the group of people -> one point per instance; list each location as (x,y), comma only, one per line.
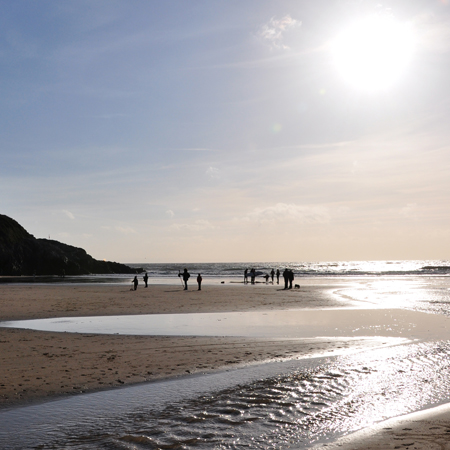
(186,275)
(288,276)
(136,282)
(266,276)
(252,276)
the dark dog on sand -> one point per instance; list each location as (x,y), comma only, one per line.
(297,286)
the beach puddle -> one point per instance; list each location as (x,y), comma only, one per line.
(295,404)
(273,324)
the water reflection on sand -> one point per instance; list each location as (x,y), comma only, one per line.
(295,404)
(273,324)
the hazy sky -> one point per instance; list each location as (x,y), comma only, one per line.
(196,131)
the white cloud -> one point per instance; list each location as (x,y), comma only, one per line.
(170,213)
(198,225)
(273,32)
(282,212)
(213,173)
(68,214)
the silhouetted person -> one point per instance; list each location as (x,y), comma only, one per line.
(135,282)
(252,275)
(272,274)
(278,276)
(185,276)
(286,278)
(199,281)
(266,276)
(146,279)
(291,278)
(245,276)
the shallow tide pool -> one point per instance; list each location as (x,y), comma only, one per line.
(280,324)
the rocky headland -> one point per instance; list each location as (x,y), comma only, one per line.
(23,254)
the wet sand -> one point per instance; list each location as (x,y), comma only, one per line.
(35,365)
(423,430)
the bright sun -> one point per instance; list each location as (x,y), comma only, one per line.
(373,53)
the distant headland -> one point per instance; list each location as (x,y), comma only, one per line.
(22,254)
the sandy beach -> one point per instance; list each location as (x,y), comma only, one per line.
(35,365)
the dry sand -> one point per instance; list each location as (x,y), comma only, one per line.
(39,301)
(35,364)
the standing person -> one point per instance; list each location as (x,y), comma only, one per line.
(135,282)
(146,279)
(252,275)
(272,274)
(245,276)
(199,281)
(286,277)
(278,276)
(291,278)
(185,276)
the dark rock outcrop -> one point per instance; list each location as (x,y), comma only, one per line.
(22,254)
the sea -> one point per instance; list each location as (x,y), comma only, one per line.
(281,404)
(212,273)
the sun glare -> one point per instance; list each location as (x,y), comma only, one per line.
(373,53)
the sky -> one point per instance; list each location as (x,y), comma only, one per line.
(228,131)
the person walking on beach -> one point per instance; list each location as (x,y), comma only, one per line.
(245,276)
(199,281)
(278,276)
(185,276)
(135,282)
(272,274)
(291,278)
(146,279)
(286,278)
(252,275)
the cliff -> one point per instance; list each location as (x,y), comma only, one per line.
(22,254)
